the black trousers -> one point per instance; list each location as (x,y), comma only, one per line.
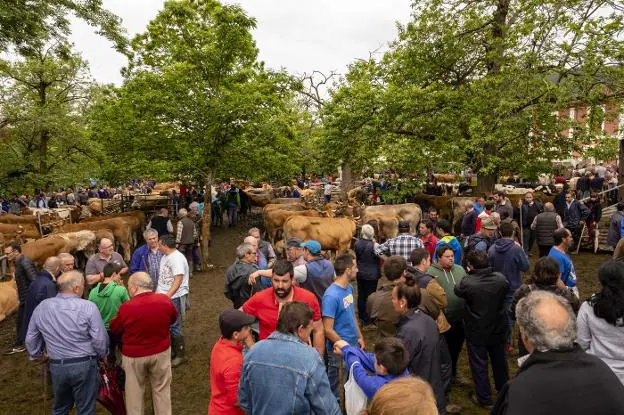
(455,340)
(544,250)
(446,366)
(20,325)
(365,288)
(478,359)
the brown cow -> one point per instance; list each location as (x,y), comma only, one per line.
(386,227)
(8,298)
(11,231)
(41,249)
(333,233)
(135,218)
(274,220)
(120,226)
(259,197)
(407,211)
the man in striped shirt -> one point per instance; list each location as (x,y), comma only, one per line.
(402,245)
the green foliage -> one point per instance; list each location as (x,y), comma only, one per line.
(195,102)
(45,96)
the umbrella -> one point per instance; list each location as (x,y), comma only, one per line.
(110,395)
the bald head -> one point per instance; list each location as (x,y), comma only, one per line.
(549,207)
(139,282)
(71,282)
(251,241)
(546,322)
(52,265)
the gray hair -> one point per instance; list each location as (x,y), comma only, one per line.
(141,280)
(182,212)
(52,264)
(252,230)
(242,250)
(546,333)
(194,205)
(68,280)
(549,207)
(65,255)
(148,232)
(367,232)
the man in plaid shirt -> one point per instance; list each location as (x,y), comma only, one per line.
(402,245)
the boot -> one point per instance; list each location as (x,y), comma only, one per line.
(173,349)
(178,345)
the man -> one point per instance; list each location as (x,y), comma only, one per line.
(402,245)
(563,242)
(573,213)
(17,204)
(559,201)
(285,361)
(143,326)
(543,227)
(317,273)
(265,305)
(42,287)
(24,275)
(108,296)
(196,216)
(616,228)
(147,258)
(237,275)
(484,292)
(294,251)
(73,333)
(226,362)
(432,296)
(338,313)
(445,238)
(448,274)
(66,262)
(482,240)
(379,304)
(530,209)
(260,259)
(425,229)
(233,203)
(503,204)
(161,223)
(469,220)
(327,192)
(95,264)
(264,247)
(186,235)
(508,258)
(173,281)
(433,218)
(558,376)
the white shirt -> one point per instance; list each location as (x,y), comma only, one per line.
(171,265)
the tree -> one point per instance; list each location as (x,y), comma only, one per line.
(485,83)
(196,100)
(24,24)
(45,96)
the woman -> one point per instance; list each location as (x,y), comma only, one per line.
(406,396)
(546,276)
(600,323)
(369,270)
(420,334)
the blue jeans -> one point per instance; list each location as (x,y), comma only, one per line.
(510,322)
(75,383)
(333,371)
(181,305)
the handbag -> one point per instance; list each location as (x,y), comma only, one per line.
(355,398)
(110,395)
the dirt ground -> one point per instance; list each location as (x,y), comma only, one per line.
(20,380)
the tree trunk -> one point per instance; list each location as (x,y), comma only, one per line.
(485,183)
(621,171)
(348,180)
(206,221)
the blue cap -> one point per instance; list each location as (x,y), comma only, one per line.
(313,246)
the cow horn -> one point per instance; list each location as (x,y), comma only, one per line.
(356,218)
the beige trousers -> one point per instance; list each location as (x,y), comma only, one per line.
(156,368)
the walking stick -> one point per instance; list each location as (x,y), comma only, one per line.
(521,225)
(341,382)
(44,369)
(578,245)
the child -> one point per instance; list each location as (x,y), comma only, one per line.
(388,363)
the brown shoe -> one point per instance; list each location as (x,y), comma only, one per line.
(453,408)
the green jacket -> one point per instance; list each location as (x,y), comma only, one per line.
(108,300)
(448,279)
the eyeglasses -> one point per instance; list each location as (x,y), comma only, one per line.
(107,247)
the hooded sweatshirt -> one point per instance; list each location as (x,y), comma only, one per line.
(451,241)
(510,260)
(448,278)
(108,300)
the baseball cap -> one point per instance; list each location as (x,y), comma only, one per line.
(488,223)
(403,224)
(313,246)
(232,320)
(293,243)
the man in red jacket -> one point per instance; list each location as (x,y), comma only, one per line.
(143,324)
(226,362)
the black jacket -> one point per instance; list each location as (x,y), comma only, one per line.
(573,216)
(24,274)
(484,293)
(569,382)
(237,288)
(43,287)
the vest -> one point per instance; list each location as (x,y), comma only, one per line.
(263,247)
(545,226)
(320,275)
(159,223)
(188,231)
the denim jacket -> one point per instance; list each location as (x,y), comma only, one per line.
(282,375)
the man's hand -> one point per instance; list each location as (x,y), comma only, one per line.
(362,343)
(338,347)
(252,278)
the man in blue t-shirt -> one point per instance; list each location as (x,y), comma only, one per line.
(563,241)
(338,313)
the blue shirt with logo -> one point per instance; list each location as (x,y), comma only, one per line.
(338,303)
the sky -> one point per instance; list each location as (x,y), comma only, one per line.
(300,36)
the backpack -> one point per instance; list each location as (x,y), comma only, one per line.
(473,241)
